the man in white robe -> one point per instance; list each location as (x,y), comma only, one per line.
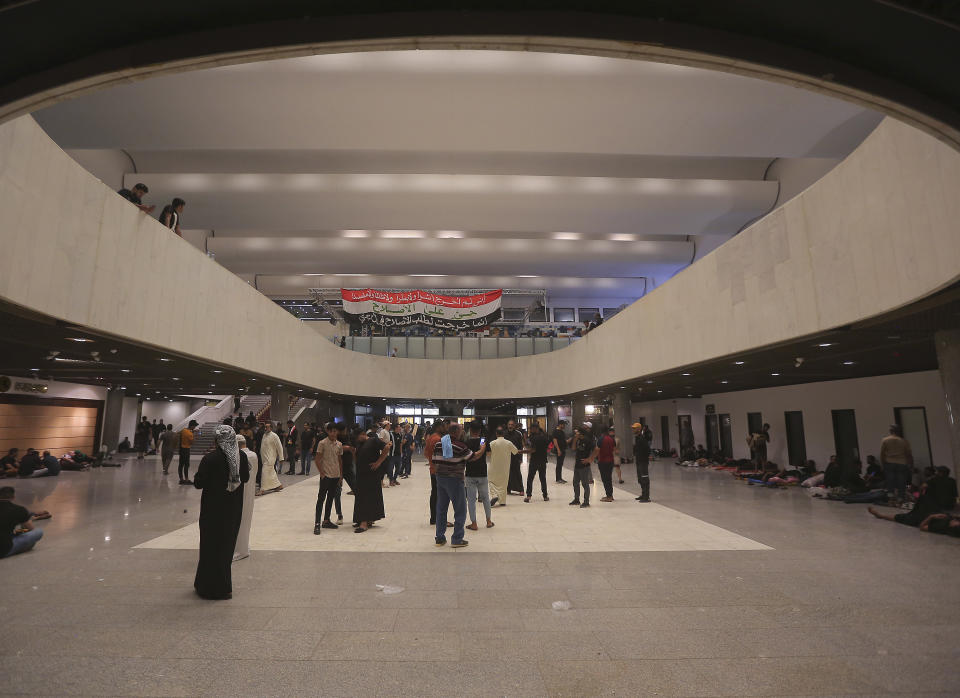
(242,548)
(271,453)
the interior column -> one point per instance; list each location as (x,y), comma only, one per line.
(948,359)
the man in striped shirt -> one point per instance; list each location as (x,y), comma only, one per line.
(450,467)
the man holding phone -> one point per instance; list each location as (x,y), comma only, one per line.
(475,477)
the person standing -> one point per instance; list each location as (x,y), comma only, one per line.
(221,475)
(292,441)
(758,446)
(435,436)
(896,457)
(271,453)
(559,438)
(406,452)
(17,534)
(155,431)
(606,445)
(186,441)
(394,466)
(515,436)
(330,468)
(170,215)
(368,502)
(641,455)
(502,451)
(347,439)
(538,461)
(141,438)
(450,488)
(617,455)
(475,478)
(585,450)
(135,196)
(242,549)
(307,437)
(169,442)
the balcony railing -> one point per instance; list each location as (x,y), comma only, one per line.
(456,347)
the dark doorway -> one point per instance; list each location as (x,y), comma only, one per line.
(913,421)
(726,436)
(665,434)
(796,440)
(754,422)
(845,436)
(713,432)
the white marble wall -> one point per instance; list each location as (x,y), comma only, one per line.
(877,232)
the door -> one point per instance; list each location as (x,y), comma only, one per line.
(665,434)
(845,436)
(726,436)
(913,421)
(796,441)
(713,432)
(754,422)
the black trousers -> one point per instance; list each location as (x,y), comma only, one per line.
(349,476)
(183,465)
(433,499)
(606,475)
(328,492)
(643,477)
(537,467)
(561,455)
(515,483)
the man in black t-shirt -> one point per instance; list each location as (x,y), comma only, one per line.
(641,455)
(134,197)
(539,442)
(475,477)
(515,436)
(586,450)
(559,438)
(17,534)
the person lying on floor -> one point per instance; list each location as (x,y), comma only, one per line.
(921,517)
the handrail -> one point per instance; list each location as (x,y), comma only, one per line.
(210,414)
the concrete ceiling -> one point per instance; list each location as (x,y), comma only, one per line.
(485,164)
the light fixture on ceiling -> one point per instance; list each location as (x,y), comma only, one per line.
(163,358)
(567,236)
(849,363)
(774,374)
(739,363)
(176,379)
(402,234)
(724,382)
(825,344)
(659,391)
(216,370)
(124,370)
(686,374)
(355,233)
(78,339)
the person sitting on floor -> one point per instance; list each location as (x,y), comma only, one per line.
(9,465)
(942,488)
(17,534)
(29,463)
(875,477)
(49,466)
(124,446)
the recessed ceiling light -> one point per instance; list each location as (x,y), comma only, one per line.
(138,395)
(216,370)
(124,370)
(739,363)
(826,344)
(774,374)
(724,381)
(649,382)
(685,374)
(567,236)
(34,369)
(163,358)
(849,363)
(79,339)
(659,391)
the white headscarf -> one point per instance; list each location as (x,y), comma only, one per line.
(226,439)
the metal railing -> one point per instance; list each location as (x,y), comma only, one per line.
(457,347)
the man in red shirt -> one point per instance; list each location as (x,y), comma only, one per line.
(607,445)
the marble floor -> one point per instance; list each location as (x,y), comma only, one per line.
(717,589)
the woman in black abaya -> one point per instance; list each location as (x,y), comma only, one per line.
(368,503)
(221,476)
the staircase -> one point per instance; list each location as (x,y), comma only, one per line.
(258,404)
(204,440)
(297,405)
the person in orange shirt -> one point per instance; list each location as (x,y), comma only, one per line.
(186,441)
(436,433)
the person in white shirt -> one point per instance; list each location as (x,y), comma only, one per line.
(271,453)
(501,451)
(242,549)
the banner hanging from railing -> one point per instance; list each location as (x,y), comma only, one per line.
(390,309)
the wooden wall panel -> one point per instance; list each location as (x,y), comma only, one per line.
(57,428)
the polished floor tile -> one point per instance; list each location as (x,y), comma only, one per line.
(717,589)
